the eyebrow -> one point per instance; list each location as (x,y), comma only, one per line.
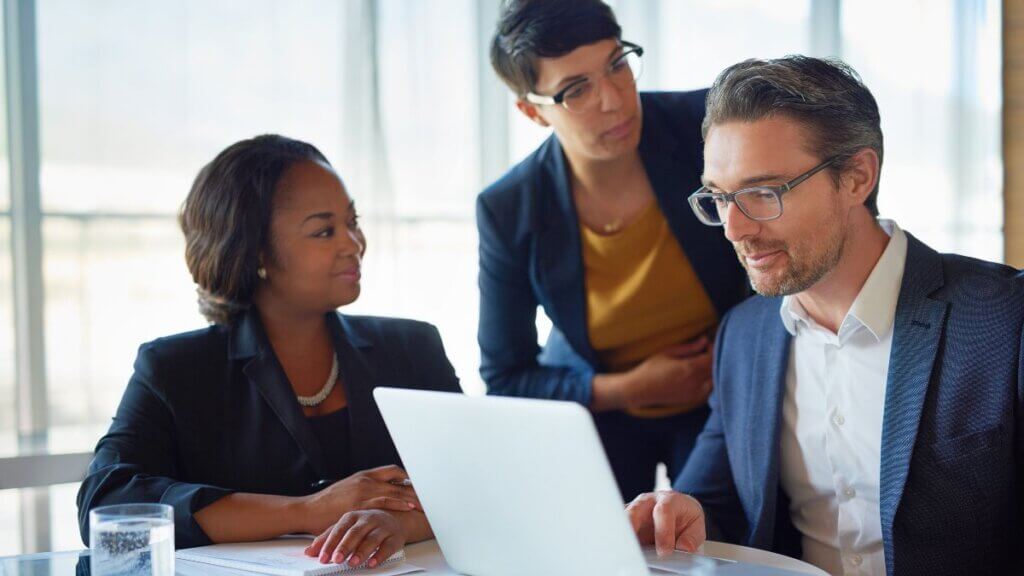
(573,79)
(328,215)
(748,182)
(318,216)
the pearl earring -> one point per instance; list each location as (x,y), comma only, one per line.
(261,272)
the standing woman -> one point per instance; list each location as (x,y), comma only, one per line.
(264,423)
(594,227)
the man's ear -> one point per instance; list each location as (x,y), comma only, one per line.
(861,175)
(530,111)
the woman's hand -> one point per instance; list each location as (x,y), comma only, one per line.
(383,488)
(370,536)
(677,376)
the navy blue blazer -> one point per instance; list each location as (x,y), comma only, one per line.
(210,412)
(530,254)
(952,460)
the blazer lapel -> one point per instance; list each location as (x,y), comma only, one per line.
(917,332)
(559,252)
(265,372)
(368,436)
(767,389)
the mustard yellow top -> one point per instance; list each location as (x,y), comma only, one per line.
(642,295)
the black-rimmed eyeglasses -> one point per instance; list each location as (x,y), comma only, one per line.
(583,95)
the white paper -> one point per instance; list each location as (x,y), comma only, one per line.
(283,556)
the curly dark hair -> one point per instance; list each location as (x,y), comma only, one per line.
(226,219)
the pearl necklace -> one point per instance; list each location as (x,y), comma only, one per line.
(319,397)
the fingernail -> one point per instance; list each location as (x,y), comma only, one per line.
(353,561)
(412,505)
(689,545)
(373,563)
(338,557)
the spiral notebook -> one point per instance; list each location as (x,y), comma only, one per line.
(285,557)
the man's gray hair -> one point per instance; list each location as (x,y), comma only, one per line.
(825,95)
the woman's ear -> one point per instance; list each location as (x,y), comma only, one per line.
(532,112)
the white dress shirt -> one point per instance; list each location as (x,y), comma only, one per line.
(832,420)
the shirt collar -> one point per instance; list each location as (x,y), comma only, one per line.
(875,305)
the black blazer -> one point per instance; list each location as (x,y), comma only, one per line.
(210,412)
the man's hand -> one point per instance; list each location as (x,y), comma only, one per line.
(669,520)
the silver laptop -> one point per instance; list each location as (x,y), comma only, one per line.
(513,486)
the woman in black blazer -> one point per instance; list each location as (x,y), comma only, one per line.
(264,423)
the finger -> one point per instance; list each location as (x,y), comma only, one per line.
(695,346)
(388,503)
(404,493)
(664,528)
(317,544)
(387,548)
(705,390)
(697,368)
(692,532)
(389,473)
(388,490)
(350,541)
(327,551)
(369,545)
(639,511)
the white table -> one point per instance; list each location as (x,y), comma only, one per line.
(426,555)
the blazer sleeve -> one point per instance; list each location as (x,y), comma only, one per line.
(507,331)
(136,461)
(707,475)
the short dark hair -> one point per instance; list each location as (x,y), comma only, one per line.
(531,29)
(226,219)
(825,95)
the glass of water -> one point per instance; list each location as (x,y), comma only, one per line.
(132,540)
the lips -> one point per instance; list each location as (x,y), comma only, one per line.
(762,259)
(619,131)
(351,274)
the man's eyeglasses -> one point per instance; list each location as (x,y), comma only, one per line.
(583,95)
(758,203)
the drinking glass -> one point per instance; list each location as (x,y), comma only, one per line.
(132,540)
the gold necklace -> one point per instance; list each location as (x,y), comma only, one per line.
(608,227)
(613,226)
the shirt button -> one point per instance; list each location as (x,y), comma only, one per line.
(838,420)
(856,560)
(849,492)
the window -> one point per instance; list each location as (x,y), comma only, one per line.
(938,87)
(134,96)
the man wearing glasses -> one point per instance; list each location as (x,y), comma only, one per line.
(867,413)
(594,227)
